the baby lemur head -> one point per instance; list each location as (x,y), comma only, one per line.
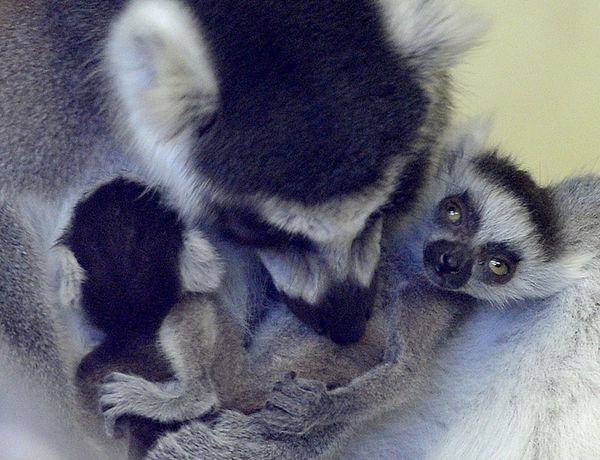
(490,231)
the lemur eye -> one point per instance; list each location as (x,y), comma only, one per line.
(498,267)
(453,212)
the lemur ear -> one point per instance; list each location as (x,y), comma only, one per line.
(464,141)
(161,71)
(365,253)
(296,273)
(434,34)
(68,276)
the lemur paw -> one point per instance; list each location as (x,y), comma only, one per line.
(123,394)
(118,395)
(295,406)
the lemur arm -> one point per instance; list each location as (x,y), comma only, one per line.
(423,319)
(422,323)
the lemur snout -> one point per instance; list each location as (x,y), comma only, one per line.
(448,263)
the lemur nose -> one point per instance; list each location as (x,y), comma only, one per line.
(448,263)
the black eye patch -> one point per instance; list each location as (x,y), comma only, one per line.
(501,257)
(469,218)
(246,228)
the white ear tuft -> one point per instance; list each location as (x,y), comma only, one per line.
(161,69)
(200,266)
(470,138)
(434,34)
(296,273)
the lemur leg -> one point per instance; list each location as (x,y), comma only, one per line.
(187,337)
(235,436)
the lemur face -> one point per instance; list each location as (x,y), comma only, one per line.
(326,284)
(491,232)
(461,257)
(292,123)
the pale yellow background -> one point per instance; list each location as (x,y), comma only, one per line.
(538,73)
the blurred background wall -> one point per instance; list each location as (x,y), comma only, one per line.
(538,74)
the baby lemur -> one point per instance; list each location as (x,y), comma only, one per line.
(141,264)
(131,257)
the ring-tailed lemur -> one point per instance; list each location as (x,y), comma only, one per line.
(284,118)
(487,230)
(57,130)
(522,381)
(131,259)
(519,381)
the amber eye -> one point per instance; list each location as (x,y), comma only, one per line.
(453,213)
(498,267)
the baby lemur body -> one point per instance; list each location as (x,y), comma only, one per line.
(160,296)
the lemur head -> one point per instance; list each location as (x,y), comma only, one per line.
(491,231)
(126,258)
(293,124)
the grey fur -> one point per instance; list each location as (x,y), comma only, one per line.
(216,371)
(38,353)
(54,132)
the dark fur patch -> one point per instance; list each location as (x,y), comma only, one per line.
(342,313)
(409,184)
(503,172)
(313,99)
(128,243)
(247,229)
(470,215)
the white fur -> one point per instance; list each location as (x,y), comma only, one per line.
(433,33)
(337,220)
(365,253)
(517,384)
(70,275)
(200,266)
(308,274)
(298,275)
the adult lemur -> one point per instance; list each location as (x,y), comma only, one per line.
(519,381)
(286,118)
(289,122)
(290,126)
